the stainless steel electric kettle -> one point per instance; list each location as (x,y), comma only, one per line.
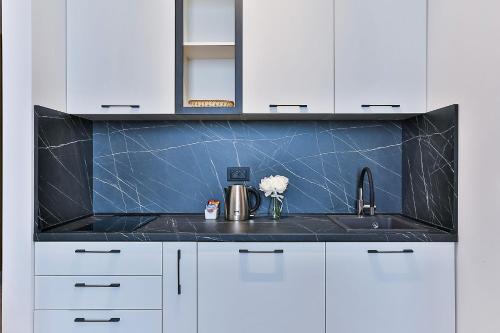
(237,202)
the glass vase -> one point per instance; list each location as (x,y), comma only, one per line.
(275,208)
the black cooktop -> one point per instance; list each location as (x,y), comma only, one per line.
(106,223)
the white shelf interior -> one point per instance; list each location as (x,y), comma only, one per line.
(209,79)
(209,50)
(209,20)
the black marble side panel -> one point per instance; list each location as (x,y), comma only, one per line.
(63,167)
(430,155)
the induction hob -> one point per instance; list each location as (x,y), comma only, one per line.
(106,223)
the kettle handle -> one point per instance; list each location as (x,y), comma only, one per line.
(257,199)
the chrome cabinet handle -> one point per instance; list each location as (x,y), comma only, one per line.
(381,105)
(272,251)
(133,106)
(85,251)
(381,252)
(84,320)
(84,285)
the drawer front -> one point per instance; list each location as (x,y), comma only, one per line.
(65,321)
(98,292)
(98,258)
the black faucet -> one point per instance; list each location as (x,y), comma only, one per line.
(360,202)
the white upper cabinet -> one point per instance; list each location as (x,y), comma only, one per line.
(261,287)
(120,56)
(380,56)
(390,287)
(288,56)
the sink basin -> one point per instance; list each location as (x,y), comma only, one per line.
(377,222)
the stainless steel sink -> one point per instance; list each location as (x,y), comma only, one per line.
(376,222)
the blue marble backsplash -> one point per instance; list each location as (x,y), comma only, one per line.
(175,166)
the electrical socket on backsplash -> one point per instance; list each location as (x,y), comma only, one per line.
(238,174)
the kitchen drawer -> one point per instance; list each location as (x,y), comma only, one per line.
(98,258)
(65,321)
(98,292)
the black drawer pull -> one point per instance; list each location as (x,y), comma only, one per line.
(133,106)
(84,285)
(381,105)
(85,251)
(273,251)
(84,320)
(298,105)
(402,251)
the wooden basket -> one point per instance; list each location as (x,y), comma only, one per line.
(210,103)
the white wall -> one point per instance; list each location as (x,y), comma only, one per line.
(17,297)
(49,53)
(464,68)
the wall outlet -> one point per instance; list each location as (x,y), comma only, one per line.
(238,174)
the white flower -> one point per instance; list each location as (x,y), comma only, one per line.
(274,186)
(280,183)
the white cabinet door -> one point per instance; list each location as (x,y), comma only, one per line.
(121,56)
(393,290)
(380,56)
(261,287)
(180,287)
(288,56)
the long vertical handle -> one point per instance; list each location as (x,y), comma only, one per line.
(178,272)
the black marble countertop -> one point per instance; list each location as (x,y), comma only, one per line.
(297,228)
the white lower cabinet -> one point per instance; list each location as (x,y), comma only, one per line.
(265,287)
(76,321)
(98,287)
(180,287)
(390,288)
(261,287)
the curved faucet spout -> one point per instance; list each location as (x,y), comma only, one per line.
(360,202)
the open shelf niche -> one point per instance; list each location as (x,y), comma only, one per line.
(208,56)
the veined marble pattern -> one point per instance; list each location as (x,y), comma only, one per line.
(429,167)
(194,228)
(63,160)
(174,167)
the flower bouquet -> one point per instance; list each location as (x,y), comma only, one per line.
(274,186)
